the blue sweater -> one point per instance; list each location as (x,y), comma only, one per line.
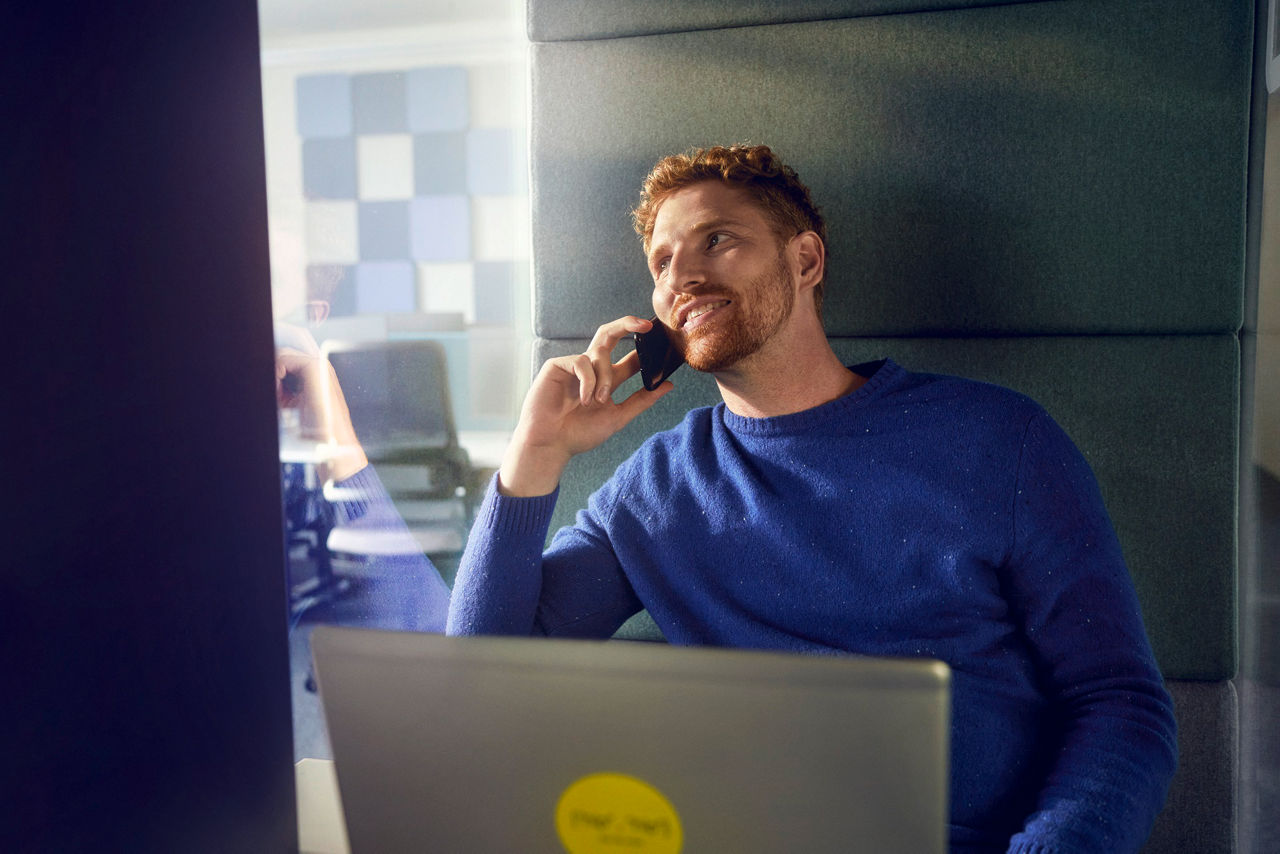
(921,515)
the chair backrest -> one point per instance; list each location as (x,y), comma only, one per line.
(1047,195)
(398,395)
(400,403)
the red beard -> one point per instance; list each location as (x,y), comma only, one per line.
(760,309)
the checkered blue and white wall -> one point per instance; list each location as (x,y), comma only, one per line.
(414,211)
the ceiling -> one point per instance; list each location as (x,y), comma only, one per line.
(284,19)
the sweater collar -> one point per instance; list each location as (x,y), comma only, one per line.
(880,375)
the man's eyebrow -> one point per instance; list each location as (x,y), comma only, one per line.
(719,222)
(704,227)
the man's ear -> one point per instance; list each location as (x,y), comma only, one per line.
(808,258)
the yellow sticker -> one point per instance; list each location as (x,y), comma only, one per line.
(611,813)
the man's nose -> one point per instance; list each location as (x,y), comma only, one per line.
(685,271)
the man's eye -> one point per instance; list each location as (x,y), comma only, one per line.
(714,239)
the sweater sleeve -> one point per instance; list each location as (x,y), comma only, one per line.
(1068,582)
(507,586)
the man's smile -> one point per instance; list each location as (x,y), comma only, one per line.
(693,315)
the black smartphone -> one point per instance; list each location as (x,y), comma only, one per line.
(658,358)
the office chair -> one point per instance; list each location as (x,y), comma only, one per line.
(398,396)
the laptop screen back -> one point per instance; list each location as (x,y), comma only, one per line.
(505,745)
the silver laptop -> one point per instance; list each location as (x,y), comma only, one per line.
(524,746)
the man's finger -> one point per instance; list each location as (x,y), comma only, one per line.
(603,369)
(640,400)
(580,366)
(609,334)
(626,368)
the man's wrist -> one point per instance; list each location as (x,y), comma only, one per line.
(529,473)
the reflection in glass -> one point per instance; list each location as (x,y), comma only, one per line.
(399,249)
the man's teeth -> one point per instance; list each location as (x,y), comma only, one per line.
(703,309)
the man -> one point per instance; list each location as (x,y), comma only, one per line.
(866,510)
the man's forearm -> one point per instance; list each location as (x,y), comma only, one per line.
(500,577)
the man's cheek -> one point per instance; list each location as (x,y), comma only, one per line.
(661,305)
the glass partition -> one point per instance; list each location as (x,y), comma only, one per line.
(398,205)
(1259,585)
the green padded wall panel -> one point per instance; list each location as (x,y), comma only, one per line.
(1054,167)
(1156,417)
(1200,812)
(590,19)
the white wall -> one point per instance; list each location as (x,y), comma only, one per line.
(494,52)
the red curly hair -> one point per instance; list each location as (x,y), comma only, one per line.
(774,186)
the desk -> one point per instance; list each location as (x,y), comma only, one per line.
(321,826)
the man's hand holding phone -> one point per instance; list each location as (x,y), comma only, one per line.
(570,409)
